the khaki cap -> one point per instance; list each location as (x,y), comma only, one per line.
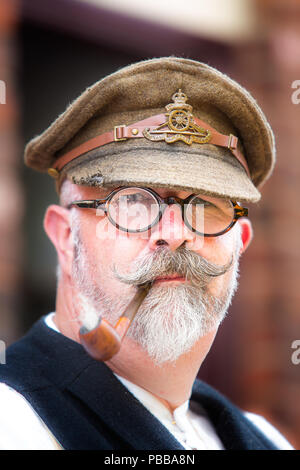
(143,90)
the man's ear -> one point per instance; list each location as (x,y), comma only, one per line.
(246,233)
(57,227)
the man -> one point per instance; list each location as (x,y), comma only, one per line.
(153,165)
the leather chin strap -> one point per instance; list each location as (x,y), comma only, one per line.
(135,131)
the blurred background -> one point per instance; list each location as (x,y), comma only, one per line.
(50,51)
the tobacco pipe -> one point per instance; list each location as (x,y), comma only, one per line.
(104,340)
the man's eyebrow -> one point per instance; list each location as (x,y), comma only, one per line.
(104,192)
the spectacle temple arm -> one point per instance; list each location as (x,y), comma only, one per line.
(88,204)
(239,211)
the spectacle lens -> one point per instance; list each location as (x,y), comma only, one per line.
(207,215)
(133,209)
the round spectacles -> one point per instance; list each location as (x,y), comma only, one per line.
(135,209)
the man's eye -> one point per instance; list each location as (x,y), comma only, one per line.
(198,201)
(132,198)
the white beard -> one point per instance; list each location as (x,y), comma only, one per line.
(171,318)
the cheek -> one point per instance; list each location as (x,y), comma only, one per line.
(219,249)
(114,246)
(220,284)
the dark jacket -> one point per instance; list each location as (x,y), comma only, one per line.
(86,407)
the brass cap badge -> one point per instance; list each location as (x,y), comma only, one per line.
(180,124)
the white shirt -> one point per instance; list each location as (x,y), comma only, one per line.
(193,431)
(22,429)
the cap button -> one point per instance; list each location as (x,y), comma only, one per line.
(53,172)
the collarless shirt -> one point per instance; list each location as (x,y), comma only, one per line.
(192,429)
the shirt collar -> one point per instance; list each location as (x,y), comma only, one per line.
(153,404)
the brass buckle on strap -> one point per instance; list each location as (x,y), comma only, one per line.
(232,143)
(117,139)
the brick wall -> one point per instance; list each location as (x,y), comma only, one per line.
(269,299)
(10,190)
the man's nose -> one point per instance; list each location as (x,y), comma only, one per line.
(171,229)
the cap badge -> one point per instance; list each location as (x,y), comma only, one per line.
(180,124)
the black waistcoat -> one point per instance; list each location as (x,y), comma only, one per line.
(86,407)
